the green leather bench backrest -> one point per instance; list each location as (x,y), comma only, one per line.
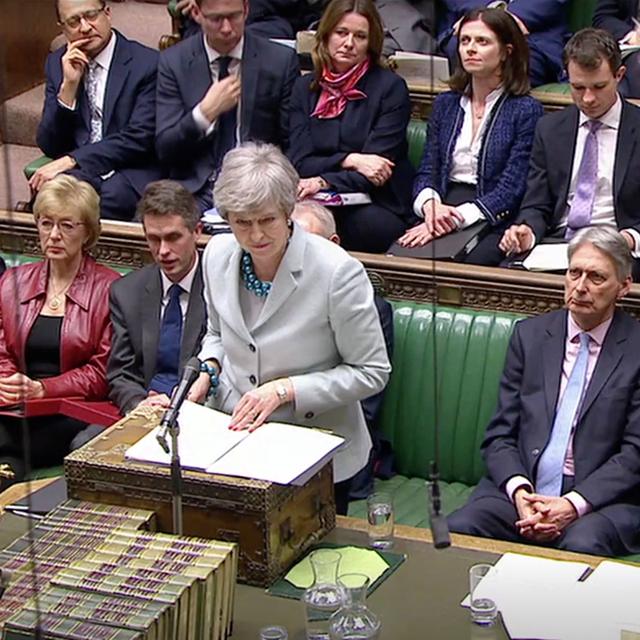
(581,14)
(470,352)
(416,136)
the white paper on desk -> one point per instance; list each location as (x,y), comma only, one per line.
(277,452)
(547,257)
(521,585)
(612,590)
(204,437)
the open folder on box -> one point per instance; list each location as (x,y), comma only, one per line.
(281,453)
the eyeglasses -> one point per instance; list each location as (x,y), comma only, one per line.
(66,227)
(73,22)
(217,18)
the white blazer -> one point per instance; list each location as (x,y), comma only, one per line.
(319,327)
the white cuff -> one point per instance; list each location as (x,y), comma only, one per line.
(470,212)
(201,121)
(64,105)
(627,37)
(635,252)
(422,197)
(515,483)
(581,506)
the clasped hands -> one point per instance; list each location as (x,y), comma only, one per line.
(18,387)
(439,219)
(542,518)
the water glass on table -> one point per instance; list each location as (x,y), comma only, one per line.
(273,633)
(483,609)
(381,520)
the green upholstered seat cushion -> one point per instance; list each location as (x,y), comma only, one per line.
(469,358)
(561,88)
(410,499)
(34,165)
(172,8)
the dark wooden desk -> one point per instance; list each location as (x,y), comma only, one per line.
(419,601)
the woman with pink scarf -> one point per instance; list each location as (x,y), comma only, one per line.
(348,128)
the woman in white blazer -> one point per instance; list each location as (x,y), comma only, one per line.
(293,334)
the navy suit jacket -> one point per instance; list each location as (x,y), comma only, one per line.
(546,21)
(135,305)
(128,119)
(268,72)
(545,201)
(615,16)
(606,444)
(376,124)
(504,153)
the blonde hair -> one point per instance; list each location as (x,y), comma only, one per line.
(66,194)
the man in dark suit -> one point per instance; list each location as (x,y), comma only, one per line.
(585,161)
(544,22)
(218,90)
(158,312)
(563,448)
(99,111)
(620,19)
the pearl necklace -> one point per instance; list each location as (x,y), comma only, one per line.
(251,281)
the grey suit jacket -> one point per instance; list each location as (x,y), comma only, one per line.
(606,444)
(135,315)
(319,327)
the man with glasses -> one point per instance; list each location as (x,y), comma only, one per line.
(99,110)
(217,90)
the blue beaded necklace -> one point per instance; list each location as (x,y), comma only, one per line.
(251,281)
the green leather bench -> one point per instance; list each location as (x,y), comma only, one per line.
(580,16)
(471,348)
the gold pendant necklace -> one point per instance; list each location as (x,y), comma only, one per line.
(55,302)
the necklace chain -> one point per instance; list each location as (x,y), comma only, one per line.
(55,301)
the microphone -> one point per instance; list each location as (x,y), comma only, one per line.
(189,375)
(439,525)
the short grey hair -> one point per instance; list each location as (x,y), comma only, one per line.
(318,212)
(609,241)
(254,175)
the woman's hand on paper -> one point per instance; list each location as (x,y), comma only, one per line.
(257,405)
(200,388)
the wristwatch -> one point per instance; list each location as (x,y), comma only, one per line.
(281,392)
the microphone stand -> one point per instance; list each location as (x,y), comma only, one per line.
(171,425)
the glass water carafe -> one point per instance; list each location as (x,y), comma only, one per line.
(324,597)
(354,620)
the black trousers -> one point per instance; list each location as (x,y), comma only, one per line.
(47,438)
(490,514)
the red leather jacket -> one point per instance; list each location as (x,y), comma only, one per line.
(85,337)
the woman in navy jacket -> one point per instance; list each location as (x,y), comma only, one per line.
(476,156)
(348,128)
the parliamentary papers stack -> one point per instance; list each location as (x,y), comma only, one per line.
(97,575)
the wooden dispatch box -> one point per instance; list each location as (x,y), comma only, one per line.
(273,524)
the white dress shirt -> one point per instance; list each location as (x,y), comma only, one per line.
(464,160)
(186,283)
(234,68)
(103,60)
(603,211)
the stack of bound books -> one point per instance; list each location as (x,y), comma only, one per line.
(88,571)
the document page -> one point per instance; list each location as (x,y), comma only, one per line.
(204,437)
(547,257)
(278,453)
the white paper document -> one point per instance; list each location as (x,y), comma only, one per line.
(545,599)
(276,452)
(547,257)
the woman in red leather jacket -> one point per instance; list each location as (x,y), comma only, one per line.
(55,331)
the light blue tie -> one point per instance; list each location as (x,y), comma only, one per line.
(549,477)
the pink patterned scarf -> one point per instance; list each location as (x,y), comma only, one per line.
(337,89)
